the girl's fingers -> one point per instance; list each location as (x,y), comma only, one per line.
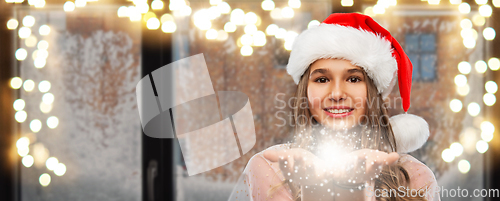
(273,155)
(392,158)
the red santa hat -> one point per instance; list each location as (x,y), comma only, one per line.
(361,40)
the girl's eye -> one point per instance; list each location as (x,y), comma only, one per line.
(354,79)
(321,80)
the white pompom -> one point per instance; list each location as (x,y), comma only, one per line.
(410,131)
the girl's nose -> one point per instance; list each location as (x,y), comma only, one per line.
(337,93)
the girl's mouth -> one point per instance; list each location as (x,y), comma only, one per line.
(338,112)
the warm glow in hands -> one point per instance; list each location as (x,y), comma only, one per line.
(354,168)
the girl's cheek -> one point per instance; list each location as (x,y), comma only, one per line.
(361,98)
(314,97)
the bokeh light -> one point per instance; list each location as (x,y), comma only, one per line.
(19,104)
(44,179)
(491,87)
(456,105)
(482,146)
(463,166)
(12,24)
(481,66)
(494,63)
(29,85)
(473,108)
(35,125)
(28,161)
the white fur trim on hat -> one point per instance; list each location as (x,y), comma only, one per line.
(410,132)
(362,48)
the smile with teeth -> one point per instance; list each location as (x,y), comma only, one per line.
(338,111)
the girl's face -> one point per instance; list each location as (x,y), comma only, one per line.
(337,93)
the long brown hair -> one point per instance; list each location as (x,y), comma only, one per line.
(379,136)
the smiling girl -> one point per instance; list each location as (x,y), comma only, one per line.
(346,146)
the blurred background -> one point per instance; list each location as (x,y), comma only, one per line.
(69,124)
